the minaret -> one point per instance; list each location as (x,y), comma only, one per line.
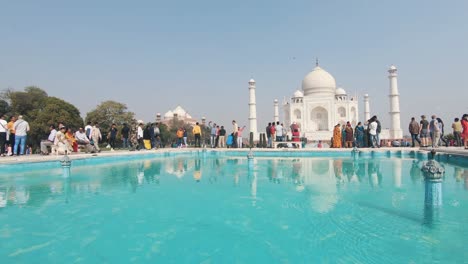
(395,126)
(252,109)
(276,116)
(366,107)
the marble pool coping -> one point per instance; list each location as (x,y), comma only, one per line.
(455,151)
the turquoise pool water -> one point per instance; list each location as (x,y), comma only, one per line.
(196,208)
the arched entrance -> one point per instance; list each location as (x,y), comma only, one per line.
(319,119)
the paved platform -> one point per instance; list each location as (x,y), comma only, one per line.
(41,158)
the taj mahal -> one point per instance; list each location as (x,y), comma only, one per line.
(320,105)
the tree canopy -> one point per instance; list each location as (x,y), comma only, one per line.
(41,111)
(108,113)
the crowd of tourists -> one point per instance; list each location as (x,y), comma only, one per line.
(63,139)
(431,133)
(218,136)
(427,133)
(13,136)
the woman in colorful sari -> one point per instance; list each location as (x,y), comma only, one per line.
(337,136)
(359,132)
(71,140)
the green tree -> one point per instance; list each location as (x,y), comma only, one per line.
(41,111)
(27,102)
(108,113)
(54,110)
(4,107)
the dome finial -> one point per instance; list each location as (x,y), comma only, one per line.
(316,61)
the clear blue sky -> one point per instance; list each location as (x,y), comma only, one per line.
(155,55)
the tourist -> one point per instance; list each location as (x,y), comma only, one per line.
(147,136)
(296,136)
(235,128)
(21,131)
(373,132)
(11,128)
(230,140)
(112,136)
(343,136)
(337,136)
(62,145)
(71,139)
(49,141)
(185,137)
(217,137)
(434,131)
(268,134)
(196,131)
(96,136)
(125,132)
(457,130)
(3,135)
(414,132)
(424,131)
(139,136)
(88,130)
(222,137)
(157,133)
(366,134)
(349,135)
(82,140)
(378,130)
(441,129)
(213,132)
(464,123)
(273,133)
(359,135)
(279,131)
(152,136)
(180,137)
(239,136)
(285,132)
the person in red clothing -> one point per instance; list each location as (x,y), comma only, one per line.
(296,137)
(464,134)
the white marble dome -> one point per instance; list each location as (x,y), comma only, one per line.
(169,114)
(297,94)
(318,81)
(340,91)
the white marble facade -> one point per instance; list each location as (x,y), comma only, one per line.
(319,106)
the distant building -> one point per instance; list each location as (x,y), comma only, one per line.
(179,113)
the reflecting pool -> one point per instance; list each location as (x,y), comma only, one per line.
(220,209)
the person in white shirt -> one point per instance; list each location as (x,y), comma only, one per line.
(49,141)
(21,133)
(88,130)
(373,132)
(3,135)
(279,131)
(82,139)
(96,136)
(140,136)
